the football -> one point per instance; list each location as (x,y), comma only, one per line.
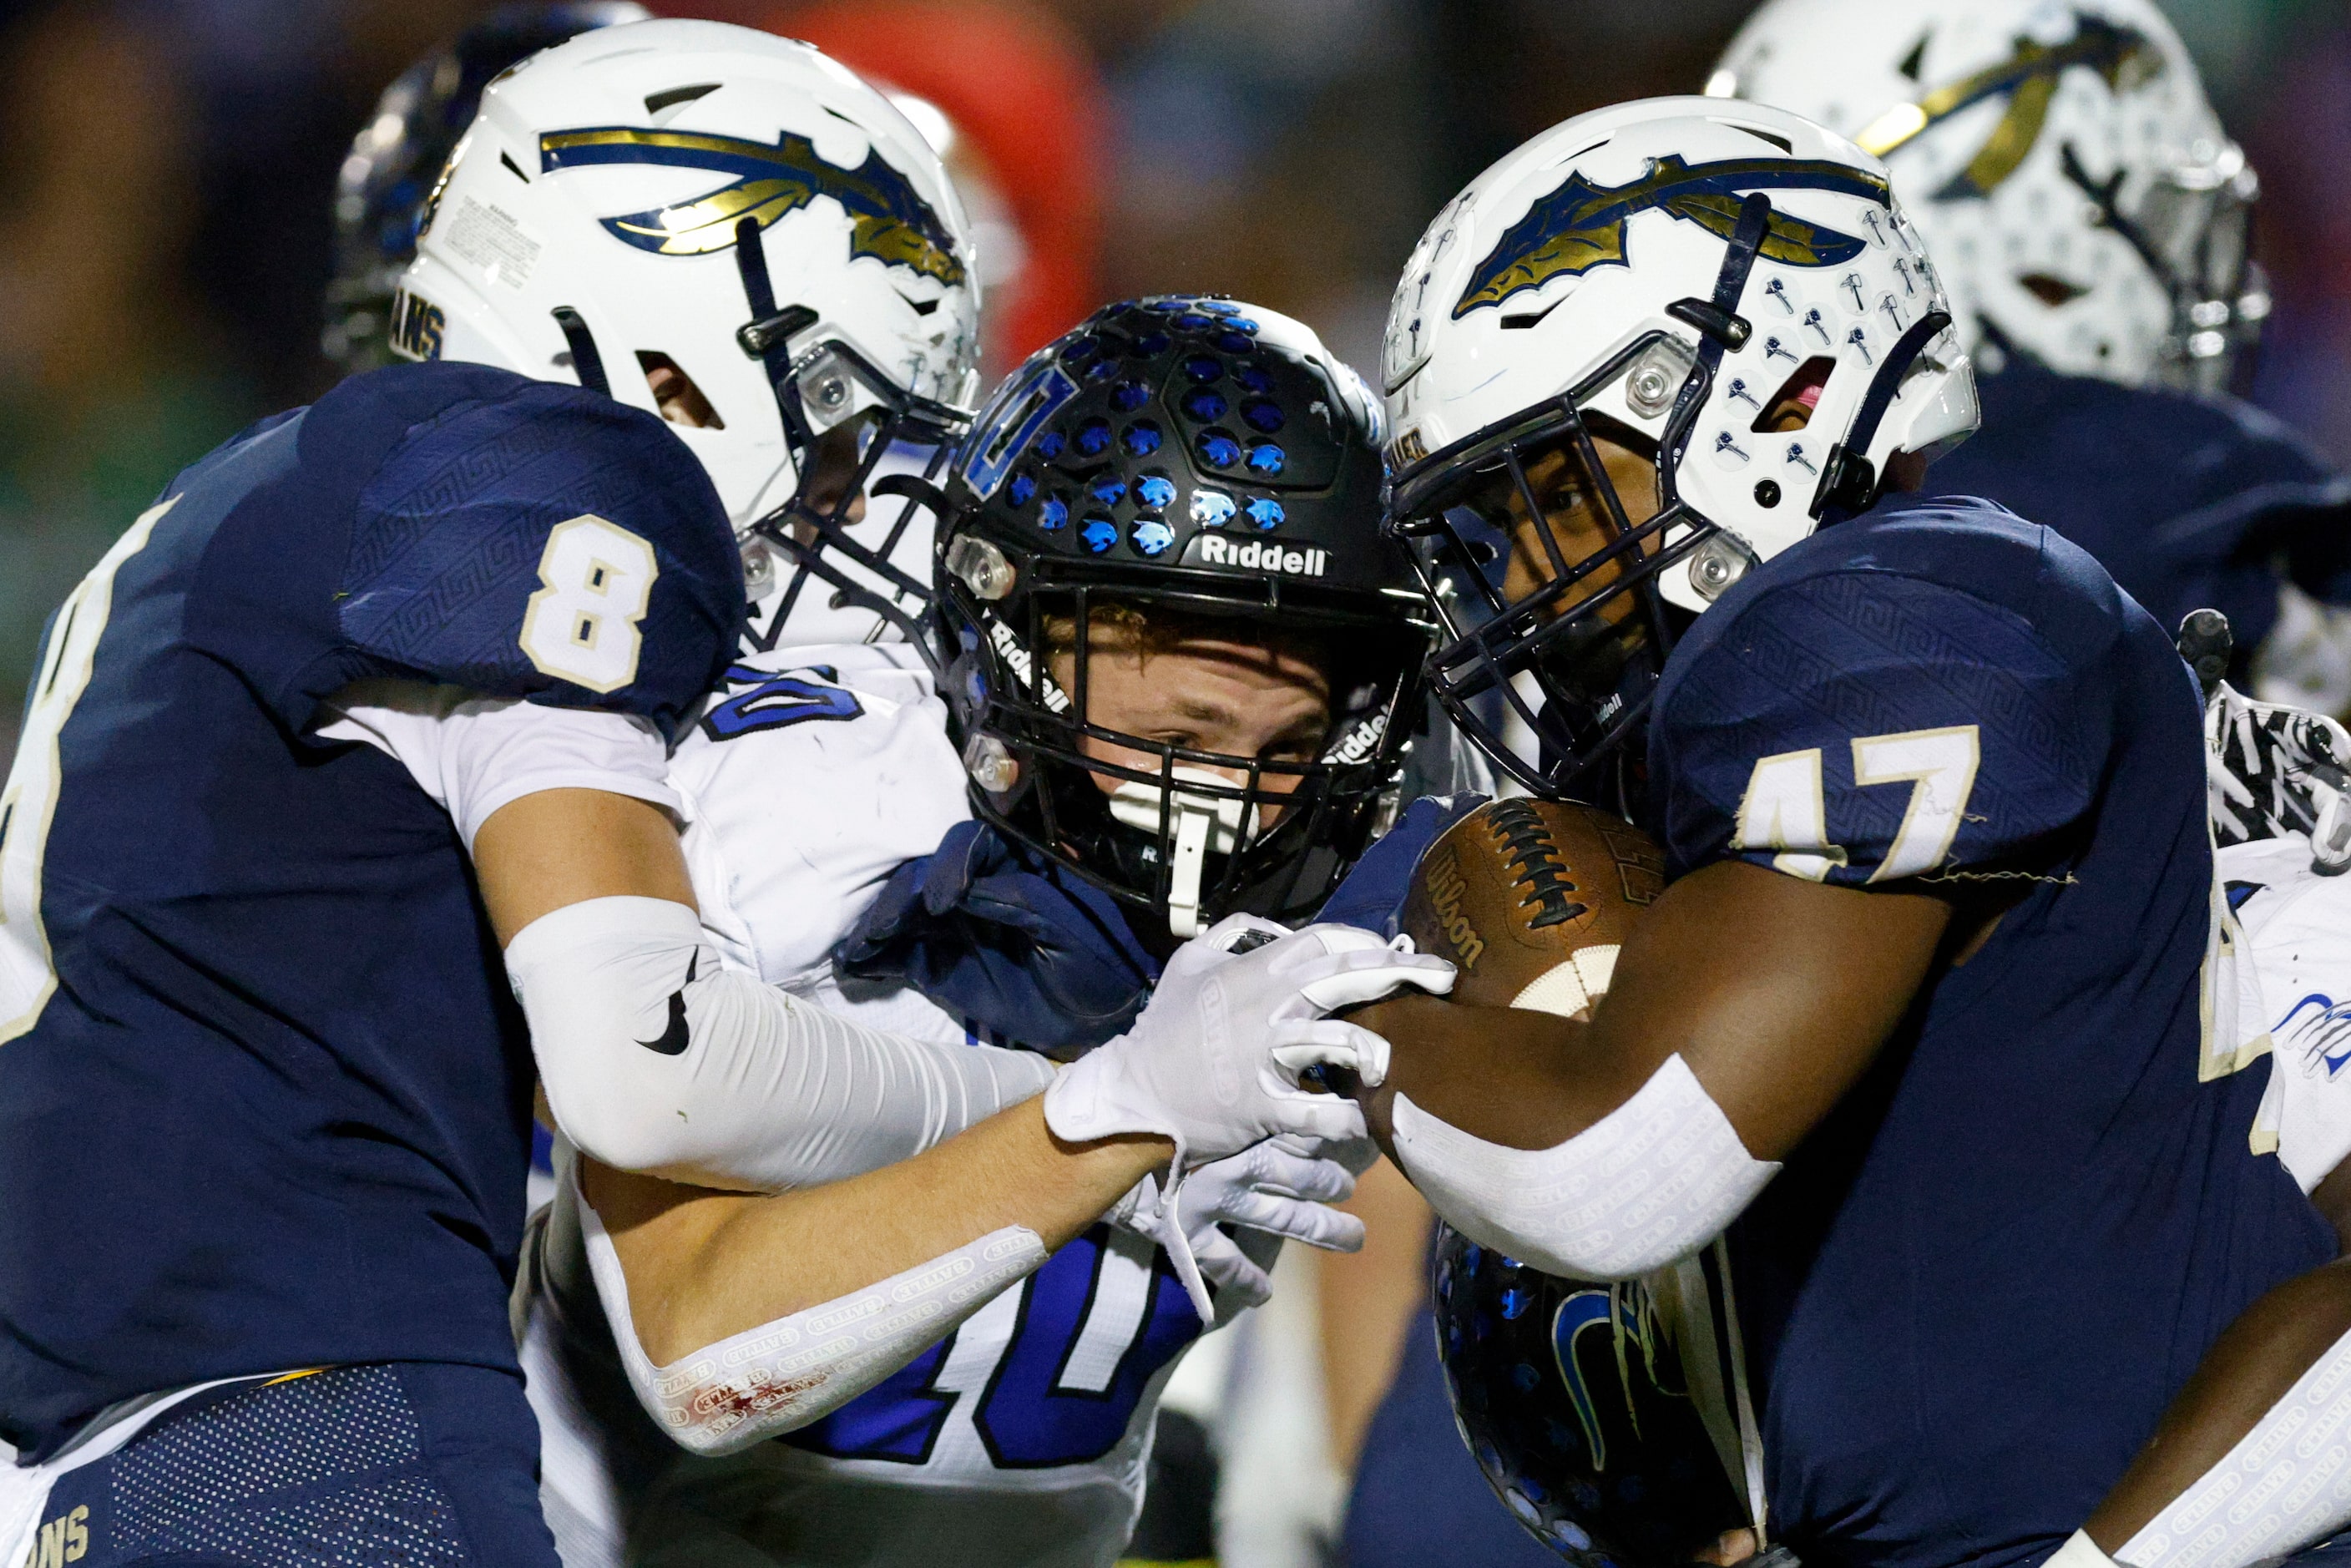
(1532,900)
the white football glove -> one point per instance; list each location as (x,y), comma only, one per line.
(1280,1186)
(1213,1062)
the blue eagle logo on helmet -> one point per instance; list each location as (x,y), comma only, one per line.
(1581,226)
(889,221)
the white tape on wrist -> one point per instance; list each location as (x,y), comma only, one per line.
(784,1375)
(2286,1484)
(2079,1551)
(1646,1186)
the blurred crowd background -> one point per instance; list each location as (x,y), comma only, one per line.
(170,165)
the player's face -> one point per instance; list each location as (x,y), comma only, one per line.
(1241,699)
(1573,516)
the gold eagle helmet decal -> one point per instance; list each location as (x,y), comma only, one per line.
(889,221)
(1581,226)
(2121,56)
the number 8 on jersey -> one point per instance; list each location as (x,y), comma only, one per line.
(582,626)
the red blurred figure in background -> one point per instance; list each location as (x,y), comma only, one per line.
(1026,132)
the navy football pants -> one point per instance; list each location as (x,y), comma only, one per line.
(387,1464)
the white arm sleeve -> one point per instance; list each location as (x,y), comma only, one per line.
(2284,1486)
(656,1059)
(474,754)
(1646,1185)
(784,1375)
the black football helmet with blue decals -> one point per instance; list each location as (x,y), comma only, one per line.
(381,193)
(1608,1419)
(1193,460)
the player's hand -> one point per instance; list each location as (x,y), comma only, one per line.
(1280,1187)
(1213,1062)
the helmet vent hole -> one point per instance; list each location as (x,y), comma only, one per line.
(1520,320)
(2051,291)
(670,97)
(1782,143)
(1790,408)
(674,393)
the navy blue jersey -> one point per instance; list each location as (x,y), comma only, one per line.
(263,1091)
(2188,501)
(1976,1285)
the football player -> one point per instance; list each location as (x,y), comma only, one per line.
(380,189)
(1184,665)
(2090,218)
(374,690)
(1921,1018)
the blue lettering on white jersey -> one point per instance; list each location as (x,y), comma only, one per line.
(265,1095)
(1977,1284)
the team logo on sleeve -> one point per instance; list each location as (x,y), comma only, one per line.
(1581,226)
(2028,78)
(890,222)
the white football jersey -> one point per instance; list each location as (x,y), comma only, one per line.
(1022,1437)
(2297,925)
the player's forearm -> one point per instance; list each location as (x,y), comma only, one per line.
(1776,992)
(657,1059)
(2283,1369)
(703,1266)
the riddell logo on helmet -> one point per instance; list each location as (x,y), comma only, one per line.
(1258,555)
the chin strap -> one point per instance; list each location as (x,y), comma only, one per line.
(1849,479)
(1194,826)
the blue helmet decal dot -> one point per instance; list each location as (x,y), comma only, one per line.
(1220,308)
(1054,514)
(1204,403)
(1149,344)
(1019,488)
(1241,324)
(1102,370)
(1153,537)
(1109,489)
(1128,396)
(1154,491)
(1217,449)
(1094,437)
(1265,514)
(1235,342)
(1098,534)
(1203,368)
(1255,378)
(1211,508)
(1192,323)
(1049,446)
(1264,416)
(1141,439)
(1265,458)
(1081,350)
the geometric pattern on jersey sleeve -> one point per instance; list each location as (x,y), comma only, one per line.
(450,533)
(1815,665)
(326,1469)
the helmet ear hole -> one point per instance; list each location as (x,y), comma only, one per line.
(680,400)
(1790,408)
(2050,290)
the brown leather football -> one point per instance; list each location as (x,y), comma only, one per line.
(1532,900)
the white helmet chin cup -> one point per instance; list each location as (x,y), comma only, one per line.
(2061,160)
(1581,266)
(608,179)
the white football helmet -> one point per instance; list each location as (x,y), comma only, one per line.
(730,229)
(2060,158)
(1722,288)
